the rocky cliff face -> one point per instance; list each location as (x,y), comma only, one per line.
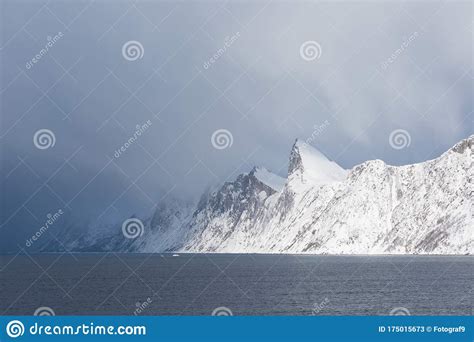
(321,208)
(231,213)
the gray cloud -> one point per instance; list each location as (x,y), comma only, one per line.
(372,77)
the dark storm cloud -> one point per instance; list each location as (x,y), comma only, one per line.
(204,66)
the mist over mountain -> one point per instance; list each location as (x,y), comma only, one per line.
(374,208)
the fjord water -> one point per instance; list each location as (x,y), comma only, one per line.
(196,284)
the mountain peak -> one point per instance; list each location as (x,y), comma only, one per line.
(464,144)
(312,165)
(420,209)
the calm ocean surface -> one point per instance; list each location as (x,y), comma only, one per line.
(196,284)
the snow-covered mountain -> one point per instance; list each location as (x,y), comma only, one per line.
(322,208)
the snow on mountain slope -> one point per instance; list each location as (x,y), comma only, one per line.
(272,180)
(424,208)
(376,208)
(164,231)
(230,214)
(167,227)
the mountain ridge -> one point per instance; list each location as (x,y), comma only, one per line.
(374,208)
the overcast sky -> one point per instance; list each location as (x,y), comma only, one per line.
(341,75)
